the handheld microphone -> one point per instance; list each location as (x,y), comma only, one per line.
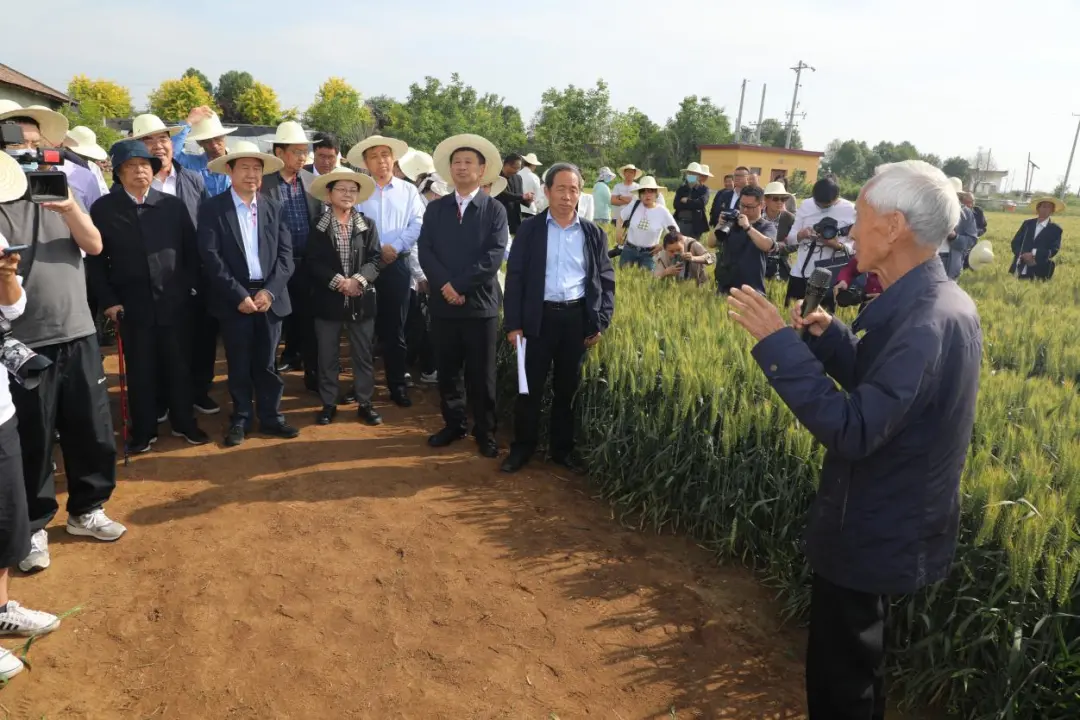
(816,288)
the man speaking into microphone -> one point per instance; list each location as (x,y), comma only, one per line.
(885,519)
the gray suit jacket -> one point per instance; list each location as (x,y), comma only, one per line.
(271,187)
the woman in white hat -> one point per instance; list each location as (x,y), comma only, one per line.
(204,127)
(692,200)
(531,183)
(344,258)
(1037,241)
(643,223)
(82,141)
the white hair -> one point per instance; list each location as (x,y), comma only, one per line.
(921,193)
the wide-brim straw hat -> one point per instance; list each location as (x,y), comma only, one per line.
(53,125)
(647,183)
(81,140)
(146,125)
(356,156)
(706,169)
(245,149)
(1059,205)
(12,179)
(290,132)
(697,169)
(637,173)
(415,163)
(980,255)
(776,188)
(498,187)
(319,190)
(531,159)
(492,158)
(957,183)
(208,129)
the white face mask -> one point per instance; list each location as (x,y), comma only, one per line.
(29,167)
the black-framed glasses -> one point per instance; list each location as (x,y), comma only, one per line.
(744,206)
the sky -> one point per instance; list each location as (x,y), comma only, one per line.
(950,76)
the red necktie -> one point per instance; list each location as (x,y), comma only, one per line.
(458,212)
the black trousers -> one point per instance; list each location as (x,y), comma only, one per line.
(417,335)
(157,361)
(14,520)
(299,327)
(467,344)
(561,343)
(250,345)
(394,295)
(74,399)
(205,329)
(845,658)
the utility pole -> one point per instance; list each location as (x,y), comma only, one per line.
(760,116)
(795,99)
(738,120)
(1068,168)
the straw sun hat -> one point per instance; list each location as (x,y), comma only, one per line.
(446,149)
(82,141)
(12,179)
(319,190)
(53,125)
(245,149)
(399,148)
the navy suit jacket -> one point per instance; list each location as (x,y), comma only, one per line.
(1044,247)
(191,189)
(221,247)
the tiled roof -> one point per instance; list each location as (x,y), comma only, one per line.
(10,76)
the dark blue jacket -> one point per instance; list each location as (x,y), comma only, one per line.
(896,435)
(221,247)
(526,270)
(191,190)
(1045,247)
(697,200)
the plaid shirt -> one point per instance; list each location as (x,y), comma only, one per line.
(294,204)
(343,241)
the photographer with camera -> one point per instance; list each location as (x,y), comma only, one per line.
(683,258)
(72,396)
(744,239)
(820,233)
(855,288)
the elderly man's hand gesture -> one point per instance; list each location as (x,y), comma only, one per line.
(754,312)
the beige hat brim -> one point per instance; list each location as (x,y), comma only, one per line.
(224,131)
(52,125)
(173,132)
(1059,206)
(648,184)
(416,163)
(356,154)
(220,165)
(492,158)
(93,152)
(12,179)
(531,159)
(366,184)
(697,171)
(498,187)
(637,173)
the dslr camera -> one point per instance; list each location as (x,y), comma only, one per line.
(727,219)
(827,228)
(22,363)
(851,296)
(43,185)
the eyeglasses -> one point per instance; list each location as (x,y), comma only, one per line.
(346,190)
(744,206)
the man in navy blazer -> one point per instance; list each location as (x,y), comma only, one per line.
(247,255)
(1037,241)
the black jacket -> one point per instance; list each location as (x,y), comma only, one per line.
(1045,247)
(149,262)
(323,262)
(221,247)
(697,199)
(191,189)
(526,269)
(466,254)
(721,202)
(511,199)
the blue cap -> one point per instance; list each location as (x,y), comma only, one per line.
(125,150)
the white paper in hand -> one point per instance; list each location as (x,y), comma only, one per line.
(523,383)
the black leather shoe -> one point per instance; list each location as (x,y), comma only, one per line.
(367,414)
(517,460)
(235,436)
(400,396)
(283,430)
(571,462)
(446,436)
(488,448)
(326,415)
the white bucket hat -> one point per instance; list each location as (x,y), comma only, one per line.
(492,158)
(318,188)
(498,187)
(530,159)
(957,183)
(81,140)
(647,183)
(146,125)
(52,124)
(637,173)
(245,149)
(208,129)
(290,132)
(12,179)
(981,255)
(399,148)
(415,163)
(706,169)
(697,169)
(775,188)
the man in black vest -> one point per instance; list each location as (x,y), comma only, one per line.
(462,243)
(560,295)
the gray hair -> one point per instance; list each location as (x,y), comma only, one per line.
(921,193)
(553,172)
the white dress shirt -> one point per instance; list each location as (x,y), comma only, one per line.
(807,216)
(464,200)
(96,171)
(248,217)
(530,183)
(169,185)
(398,213)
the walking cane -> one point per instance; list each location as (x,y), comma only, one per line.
(123,386)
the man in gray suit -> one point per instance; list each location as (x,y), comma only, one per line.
(289,186)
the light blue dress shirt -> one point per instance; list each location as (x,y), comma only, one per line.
(248,217)
(216,183)
(564,278)
(398,213)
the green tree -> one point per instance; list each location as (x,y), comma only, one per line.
(203,80)
(173,99)
(258,105)
(338,109)
(229,88)
(382,109)
(576,124)
(90,114)
(849,159)
(932,159)
(697,122)
(110,99)
(957,166)
(637,140)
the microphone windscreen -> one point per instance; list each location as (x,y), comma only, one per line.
(821,279)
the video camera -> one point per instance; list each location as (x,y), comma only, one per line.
(43,185)
(827,228)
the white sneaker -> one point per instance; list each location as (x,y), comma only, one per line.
(95,524)
(23,622)
(430,378)
(38,559)
(10,666)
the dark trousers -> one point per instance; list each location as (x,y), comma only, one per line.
(361,334)
(394,294)
(74,400)
(299,327)
(845,658)
(14,520)
(418,336)
(205,329)
(250,345)
(561,343)
(158,371)
(469,344)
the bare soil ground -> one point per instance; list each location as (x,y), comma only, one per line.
(355,573)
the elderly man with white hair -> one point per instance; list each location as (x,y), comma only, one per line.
(896,431)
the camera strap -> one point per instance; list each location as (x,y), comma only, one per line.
(809,257)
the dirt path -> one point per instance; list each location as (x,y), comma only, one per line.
(355,573)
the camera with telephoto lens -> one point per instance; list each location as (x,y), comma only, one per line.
(22,363)
(727,219)
(828,228)
(42,185)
